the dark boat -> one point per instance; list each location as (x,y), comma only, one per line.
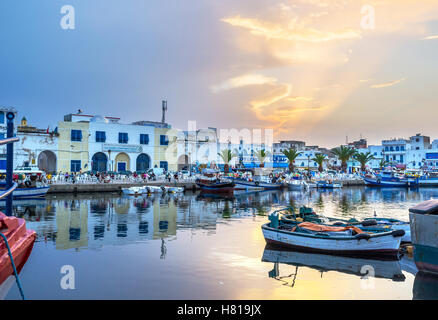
(215,186)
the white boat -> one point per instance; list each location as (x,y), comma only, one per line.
(174,189)
(336,242)
(328,185)
(35,192)
(258,183)
(296,185)
(134,191)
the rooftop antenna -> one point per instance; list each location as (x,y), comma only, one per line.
(164,108)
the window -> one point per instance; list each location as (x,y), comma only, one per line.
(164,141)
(2,117)
(397,148)
(144,139)
(163,164)
(76,135)
(123,137)
(100,136)
(386,148)
(402,148)
(75,165)
(401,158)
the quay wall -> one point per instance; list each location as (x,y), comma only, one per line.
(117,187)
(112,187)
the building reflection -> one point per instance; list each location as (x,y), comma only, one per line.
(93,221)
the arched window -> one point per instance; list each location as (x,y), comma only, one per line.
(99,162)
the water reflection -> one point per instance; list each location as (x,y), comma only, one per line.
(228,242)
(92,221)
(388,269)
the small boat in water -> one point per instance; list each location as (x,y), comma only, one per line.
(215,186)
(368,224)
(258,183)
(330,239)
(424,228)
(21,241)
(390,179)
(296,185)
(328,185)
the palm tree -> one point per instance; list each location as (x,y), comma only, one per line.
(226,156)
(363,158)
(261,155)
(291,154)
(382,164)
(319,159)
(344,154)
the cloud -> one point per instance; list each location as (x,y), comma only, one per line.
(387,84)
(430,37)
(243,81)
(293,32)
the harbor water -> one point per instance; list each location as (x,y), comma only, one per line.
(188,246)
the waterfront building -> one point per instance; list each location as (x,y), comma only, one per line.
(73,155)
(165,152)
(394,151)
(197,147)
(115,146)
(36,147)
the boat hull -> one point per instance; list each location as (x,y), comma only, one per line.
(255,185)
(382,244)
(21,243)
(388,183)
(424,229)
(26,193)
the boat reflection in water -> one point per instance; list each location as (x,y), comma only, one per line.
(362,267)
(425,286)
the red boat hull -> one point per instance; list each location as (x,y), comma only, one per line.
(20,241)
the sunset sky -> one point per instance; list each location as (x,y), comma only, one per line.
(306,68)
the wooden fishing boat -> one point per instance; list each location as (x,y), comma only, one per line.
(215,186)
(21,241)
(328,185)
(390,179)
(368,224)
(328,239)
(424,228)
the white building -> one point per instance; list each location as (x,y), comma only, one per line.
(197,147)
(115,146)
(37,147)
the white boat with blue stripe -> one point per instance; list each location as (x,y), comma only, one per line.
(390,179)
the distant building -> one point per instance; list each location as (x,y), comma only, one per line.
(359,144)
(36,147)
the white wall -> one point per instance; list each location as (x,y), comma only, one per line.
(112,137)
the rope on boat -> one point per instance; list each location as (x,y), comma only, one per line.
(13,266)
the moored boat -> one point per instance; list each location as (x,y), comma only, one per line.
(390,179)
(255,184)
(368,224)
(328,239)
(20,240)
(215,186)
(424,228)
(328,185)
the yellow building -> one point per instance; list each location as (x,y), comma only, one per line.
(165,153)
(73,146)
